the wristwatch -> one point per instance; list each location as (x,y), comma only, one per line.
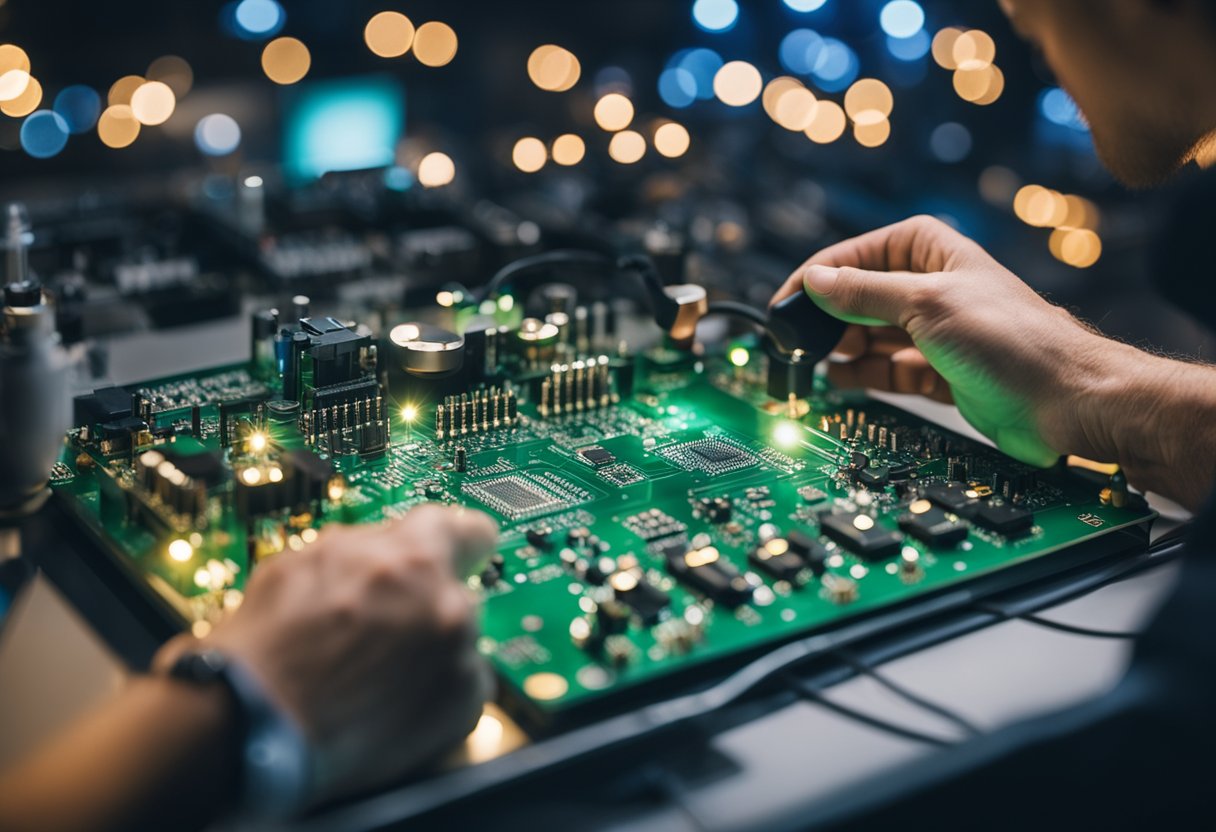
(276,774)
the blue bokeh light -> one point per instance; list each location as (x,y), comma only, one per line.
(252,19)
(902,18)
(217,134)
(950,142)
(799,50)
(805,5)
(78,106)
(1059,108)
(43,134)
(702,64)
(910,49)
(836,66)
(715,15)
(677,87)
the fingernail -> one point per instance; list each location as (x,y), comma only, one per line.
(819,279)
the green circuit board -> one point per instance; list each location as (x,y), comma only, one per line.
(664,520)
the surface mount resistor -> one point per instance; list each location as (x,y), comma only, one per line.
(440,427)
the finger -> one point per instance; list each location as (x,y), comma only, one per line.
(912,373)
(172,650)
(917,244)
(864,296)
(465,536)
(876,340)
(872,372)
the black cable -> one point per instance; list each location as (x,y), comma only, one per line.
(865,669)
(543,262)
(736,309)
(808,691)
(1071,629)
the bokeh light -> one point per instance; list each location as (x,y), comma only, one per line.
(568,149)
(799,50)
(950,142)
(173,71)
(677,87)
(613,112)
(737,84)
(868,101)
(671,140)
(13,57)
(835,66)
(973,49)
(78,106)
(436,170)
(529,154)
(1078,247)
(25,103)
(910,49)
(117,127)
(872,134)
(153,103)
(257,19)
(217,134)
(715,15)
(613,79)
(702,64)
(943,47)
(286,60)
(44,134)
(1059,108)
(828,123)
(901,18)
(13,84)
(627,147)
(125,87)
(389,34)
(805,5)
(773,91)
(795,108)
(553,68)
(435,44)
(979,85)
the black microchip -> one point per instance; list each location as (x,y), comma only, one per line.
(953,497)
(784,566)
(860,534)
(597,456)
(814,553)
(105,404)
(934,527)
(646,599)
(1006,519)
(715,577)
(902,471)
(874,477)
(715,452)
(207,467)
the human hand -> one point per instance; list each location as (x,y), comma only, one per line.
(935,315)
(367,639)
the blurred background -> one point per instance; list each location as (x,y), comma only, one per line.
(176,159)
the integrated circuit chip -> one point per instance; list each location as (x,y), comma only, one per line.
(596,456)
(860,534)
(931,525)
(621,474)
(711,455)
(515,496)
(1004,518)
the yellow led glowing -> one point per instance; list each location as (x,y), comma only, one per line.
(545,686)
(786,434)
(737,83)
(389,34)
(739,356)
(174,71)
(152,103)
(943,47)
(627,147)
(251,476)
(568,149)
(613,112)
(671,140)
(868,101)
(828,124)
(506,303)
(125,87)
(275,474)
(257,442)
(336,489)
(553,68)
(181,550)
(777,546)
(973,49)
(529,154)
(117,127)
(872,134)
(435,44)
(436,170)
(920,506)
(773,91)
(863,522)
(26,102)
(409,413)
(286,60)
(14,83)
(308,535)
(795,109)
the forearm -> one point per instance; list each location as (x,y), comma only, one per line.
(1156,417)
(161,755)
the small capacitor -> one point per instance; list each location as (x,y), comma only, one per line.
(461,459)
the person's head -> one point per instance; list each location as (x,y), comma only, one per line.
(1142,71)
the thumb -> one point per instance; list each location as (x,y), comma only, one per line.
(860,296)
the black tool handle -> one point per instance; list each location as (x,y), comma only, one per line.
(797,323)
